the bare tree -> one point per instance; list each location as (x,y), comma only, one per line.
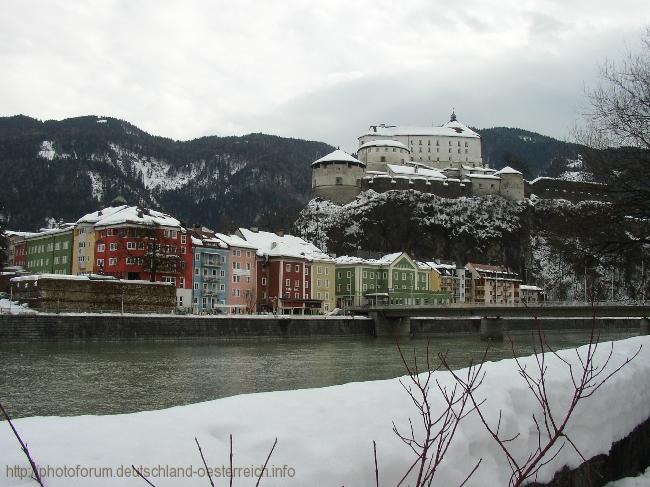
(551,419)
(439,427)
(616,133)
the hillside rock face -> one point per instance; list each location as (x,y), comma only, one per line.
(63,169)
(541,239)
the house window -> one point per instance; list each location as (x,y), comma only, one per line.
(174,234)
(264,281)
(112,247)
(288,267)
(196,286)
(297,268)
(184,239)
(296,283)
(130,245)
(112,261)
(287,282)
(101,247)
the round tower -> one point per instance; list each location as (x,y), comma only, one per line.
(337,177)
(512,184)
(377,154)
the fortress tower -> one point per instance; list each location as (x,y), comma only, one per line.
(337,177)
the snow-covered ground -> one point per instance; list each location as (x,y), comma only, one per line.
(325,435)
(13,307)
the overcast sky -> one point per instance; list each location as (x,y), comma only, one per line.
(317,70)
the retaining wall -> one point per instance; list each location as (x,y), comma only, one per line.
(53,327)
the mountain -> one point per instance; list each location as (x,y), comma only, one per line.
(531,153)
(59,170)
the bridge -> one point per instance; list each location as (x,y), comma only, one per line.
(491,320)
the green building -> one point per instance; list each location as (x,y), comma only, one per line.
(50,251)
(395,279)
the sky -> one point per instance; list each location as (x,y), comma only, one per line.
(314,70)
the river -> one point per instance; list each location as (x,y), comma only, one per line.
(76,378)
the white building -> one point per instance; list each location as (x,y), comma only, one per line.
(448,146)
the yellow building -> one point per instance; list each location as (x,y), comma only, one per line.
(83,245)
(323,283)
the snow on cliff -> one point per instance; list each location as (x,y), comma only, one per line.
(325,435)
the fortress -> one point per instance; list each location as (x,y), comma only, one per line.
(445,160)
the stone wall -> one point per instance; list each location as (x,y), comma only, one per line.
(552,188)
(53,327)
(445,189)
(64,294)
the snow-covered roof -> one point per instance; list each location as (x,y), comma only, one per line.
(479,169)
(338,156)
(234,241)
(526,287)
(508,170)
(13,233)
(419,171)
(386,260)
(384,143)
(45,232)
(92,277)
(483,176)
(273,245)
(95,216)
(452,128)
(137,216)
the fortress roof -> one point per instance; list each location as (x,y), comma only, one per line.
(453,128)
(508,170)
(338,156)
(384,143)
(412,171)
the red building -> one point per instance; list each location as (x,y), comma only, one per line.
(283,273)
(142,244)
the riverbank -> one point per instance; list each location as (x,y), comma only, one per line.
(43,327)
(345,420)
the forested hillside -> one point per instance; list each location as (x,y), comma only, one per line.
(62,169)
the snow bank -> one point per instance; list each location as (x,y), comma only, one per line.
(326,434)
(14,308)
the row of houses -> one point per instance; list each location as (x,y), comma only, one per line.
(250,270)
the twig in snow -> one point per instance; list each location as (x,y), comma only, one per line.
(266,463)
(36,476)
(207,471)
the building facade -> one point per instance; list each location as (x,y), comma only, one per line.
(140,244)
(209,274)
(493,284)
(50,251)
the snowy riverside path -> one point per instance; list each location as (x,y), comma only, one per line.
(325,435)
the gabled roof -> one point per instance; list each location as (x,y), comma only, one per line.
(338,156)
(274,245)
(137,216)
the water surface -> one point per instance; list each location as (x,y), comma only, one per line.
(117,377)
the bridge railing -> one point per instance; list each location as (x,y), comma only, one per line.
(540,304)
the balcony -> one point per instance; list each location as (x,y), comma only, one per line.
(212,262)
(211,278)
(209,292)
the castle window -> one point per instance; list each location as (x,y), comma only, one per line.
(339,181)
(437,142)
(465,151)
(394,150)
(465,144)
(382,159)
(429,142)
(420,141)
(450,142)
(420,149)
(386,149)
(459,143)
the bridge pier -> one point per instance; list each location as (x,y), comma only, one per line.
(492,328)
(391,327)
(644,328)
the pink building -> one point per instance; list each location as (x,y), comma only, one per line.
(242,275)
